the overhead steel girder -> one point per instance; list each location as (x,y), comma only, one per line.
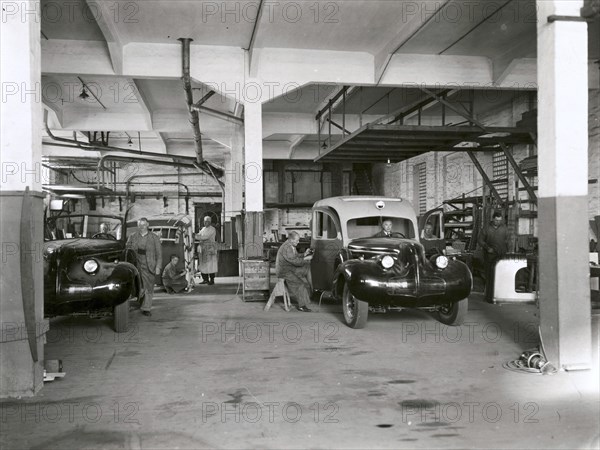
(505,150)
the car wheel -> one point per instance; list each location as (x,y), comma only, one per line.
(121,317)
(356,311)
(454,313)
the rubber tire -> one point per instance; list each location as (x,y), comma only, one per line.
(360,311)
(457,314)
(121,317)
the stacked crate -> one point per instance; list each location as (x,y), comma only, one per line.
(256,281)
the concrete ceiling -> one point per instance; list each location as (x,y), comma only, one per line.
(364,26)
(73,21)
(225,23)
(128,55)
(482,28)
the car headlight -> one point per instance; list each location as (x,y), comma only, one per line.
(441,262)
(387,262)
(90,266)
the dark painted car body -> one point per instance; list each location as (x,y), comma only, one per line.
(412,282)
(69,288)
(348,261)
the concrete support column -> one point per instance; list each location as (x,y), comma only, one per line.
(21,203)
(563,172)
(253,179)
(234,183)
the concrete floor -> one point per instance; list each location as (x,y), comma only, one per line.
(209,371)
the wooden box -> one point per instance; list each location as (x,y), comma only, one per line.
(256,280)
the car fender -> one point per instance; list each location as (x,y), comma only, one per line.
(346,273)
(126,274)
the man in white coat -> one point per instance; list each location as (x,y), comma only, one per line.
(207,252)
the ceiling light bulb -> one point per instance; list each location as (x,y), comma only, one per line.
(83,94)
(129,142)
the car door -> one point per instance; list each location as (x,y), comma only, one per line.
(326,241)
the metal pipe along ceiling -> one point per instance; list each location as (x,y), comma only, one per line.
(95,148)
(189,96)
(104,158)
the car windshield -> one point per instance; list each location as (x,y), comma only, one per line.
(364,227)
(82,226)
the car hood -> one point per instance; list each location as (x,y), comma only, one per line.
(383,245)
(81,246)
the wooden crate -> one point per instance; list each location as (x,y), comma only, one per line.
(255,286)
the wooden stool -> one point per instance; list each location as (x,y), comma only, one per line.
(280,289)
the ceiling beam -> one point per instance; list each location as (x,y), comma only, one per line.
(101,10)
(255,29)
(408,31)
(489,15)
(222,68)
(61,56)
(142,99)
(295,143)
(162,141)
(54,112)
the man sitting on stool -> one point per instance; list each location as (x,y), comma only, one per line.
(295,268)
(174,280)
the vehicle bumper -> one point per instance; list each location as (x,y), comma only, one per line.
(382,288)
(94,294)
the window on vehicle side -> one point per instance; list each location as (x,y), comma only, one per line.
(324,226)
(363,227)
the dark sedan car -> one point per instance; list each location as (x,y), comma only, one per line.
(87,268)
(382,273)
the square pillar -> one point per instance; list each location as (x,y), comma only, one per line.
(253,180)
(234,186)
(253,156)
(562,67)
(21,203)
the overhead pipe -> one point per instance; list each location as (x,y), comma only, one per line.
(205,98)
(176,158)
(189,96)
(219,114)
(201,164)
(91,147)
(127,182)
(187,196)
(102,168)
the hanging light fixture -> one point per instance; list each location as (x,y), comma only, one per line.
(129,142)
(83,95)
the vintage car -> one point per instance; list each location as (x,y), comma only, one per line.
(176,238)
(87,268)
(382,273)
